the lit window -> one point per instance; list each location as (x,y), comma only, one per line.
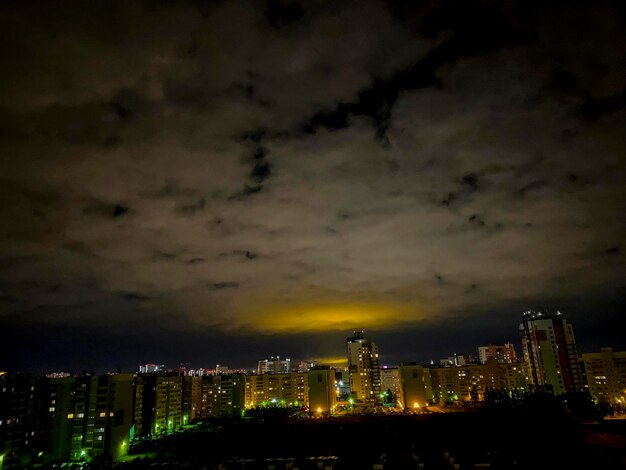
(70,416)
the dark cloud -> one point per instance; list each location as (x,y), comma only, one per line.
(134,296)
(190,209)
(80,248)
(281,13)
(442,164)
(119,210)
(470,181)
(594,109)
(162,255)
(224,285)
(261,171)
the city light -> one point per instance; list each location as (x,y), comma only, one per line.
(416,405)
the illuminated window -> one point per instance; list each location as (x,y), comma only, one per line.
(70,416)
(102,414)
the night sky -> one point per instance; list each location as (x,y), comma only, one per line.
(217,182)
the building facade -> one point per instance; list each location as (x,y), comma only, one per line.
(274,365)
(606,376)
(550,352)
(282,389)
(471,381)
(497,352)
(414,386)
(17,406)
(322,390)
(364,368)
(390,381)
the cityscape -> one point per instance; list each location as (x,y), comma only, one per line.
(84,417)
(312,235)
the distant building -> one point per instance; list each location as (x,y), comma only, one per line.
(457,360)
(274,365)
(504,353)
(305,366)
(151,368)
(221,369)
(550,352)
(390,380)
(364,368)
(606,376)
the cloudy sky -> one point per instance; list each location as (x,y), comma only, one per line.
(213,182)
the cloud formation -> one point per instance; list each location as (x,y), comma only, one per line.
(294,167)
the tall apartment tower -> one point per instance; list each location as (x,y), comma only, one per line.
(364,368)
(550,351)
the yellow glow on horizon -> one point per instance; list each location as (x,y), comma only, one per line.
(333,361)
(321,318)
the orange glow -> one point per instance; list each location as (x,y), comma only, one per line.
(333,361)
(333,317)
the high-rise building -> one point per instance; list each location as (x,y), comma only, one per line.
(222,395)
(550,351)
(145,396)
(101,416)
(606,376)
(168,409)
(16,420)
(364,368)
(56,405)
(274,365)
(504,353)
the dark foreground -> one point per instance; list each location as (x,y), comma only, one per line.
(474,440)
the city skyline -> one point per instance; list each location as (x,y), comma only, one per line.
(219,182)
(271,362)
